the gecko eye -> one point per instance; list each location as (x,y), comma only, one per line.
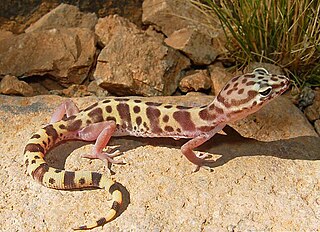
(264,92)
(261,71)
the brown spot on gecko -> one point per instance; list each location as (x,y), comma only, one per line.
(206,115)
(111,118)
(52,180)
(137,101)
(153,115)
(136,109)
(168,129)
(244,80)
(124,113)
(108,109)
(115,206)
(249,75)
(51,132)
(39,172)
(82,181)
(227,86)
(63,127)
(96,115)
(206,128)
(183,107)
(184,119)
(165,118)
(223,101)
(240,91)
(219,110)
(34,147)
(145,126)
(75,125)
(91,107)
(251,95)
(138,120)
(57,170)
(106,101)
(153,103)
(121,99)
(235,79)
(250,83)
(101,221)
(96,177)
(68,180)
(35,136)
(168,106)
(229,91)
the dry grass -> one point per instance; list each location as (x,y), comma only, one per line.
(283,32)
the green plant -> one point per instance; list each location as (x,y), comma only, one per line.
(283,32)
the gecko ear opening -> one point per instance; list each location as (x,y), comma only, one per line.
(261,71)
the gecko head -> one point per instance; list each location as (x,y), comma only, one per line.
(245,94)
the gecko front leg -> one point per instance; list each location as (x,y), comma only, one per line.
(187,148)
(101,132)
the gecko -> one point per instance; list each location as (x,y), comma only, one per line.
(122,116)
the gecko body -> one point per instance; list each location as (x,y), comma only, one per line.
(241,96)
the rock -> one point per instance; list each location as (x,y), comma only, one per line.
(276,118)
(312,111)
(219,77)
(172,15)
(276,183)
(64,16)
(96,90)
(73,91)
(112,24)
(196,45)
(317,126)
(195,81)
(66,54)
(305,98)
(135,63)
(11,85)
(184,34)
(5,34)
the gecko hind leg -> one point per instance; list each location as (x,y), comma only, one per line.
(101,132)
(67,108)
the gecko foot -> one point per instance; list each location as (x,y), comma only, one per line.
(107,156)
(203,156)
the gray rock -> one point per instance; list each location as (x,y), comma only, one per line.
(172,15)
(64,15)
(196,45)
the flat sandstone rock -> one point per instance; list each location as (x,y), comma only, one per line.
(256,185)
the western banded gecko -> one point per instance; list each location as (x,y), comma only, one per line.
(241,96)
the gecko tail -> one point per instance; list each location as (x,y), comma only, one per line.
(116,194)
